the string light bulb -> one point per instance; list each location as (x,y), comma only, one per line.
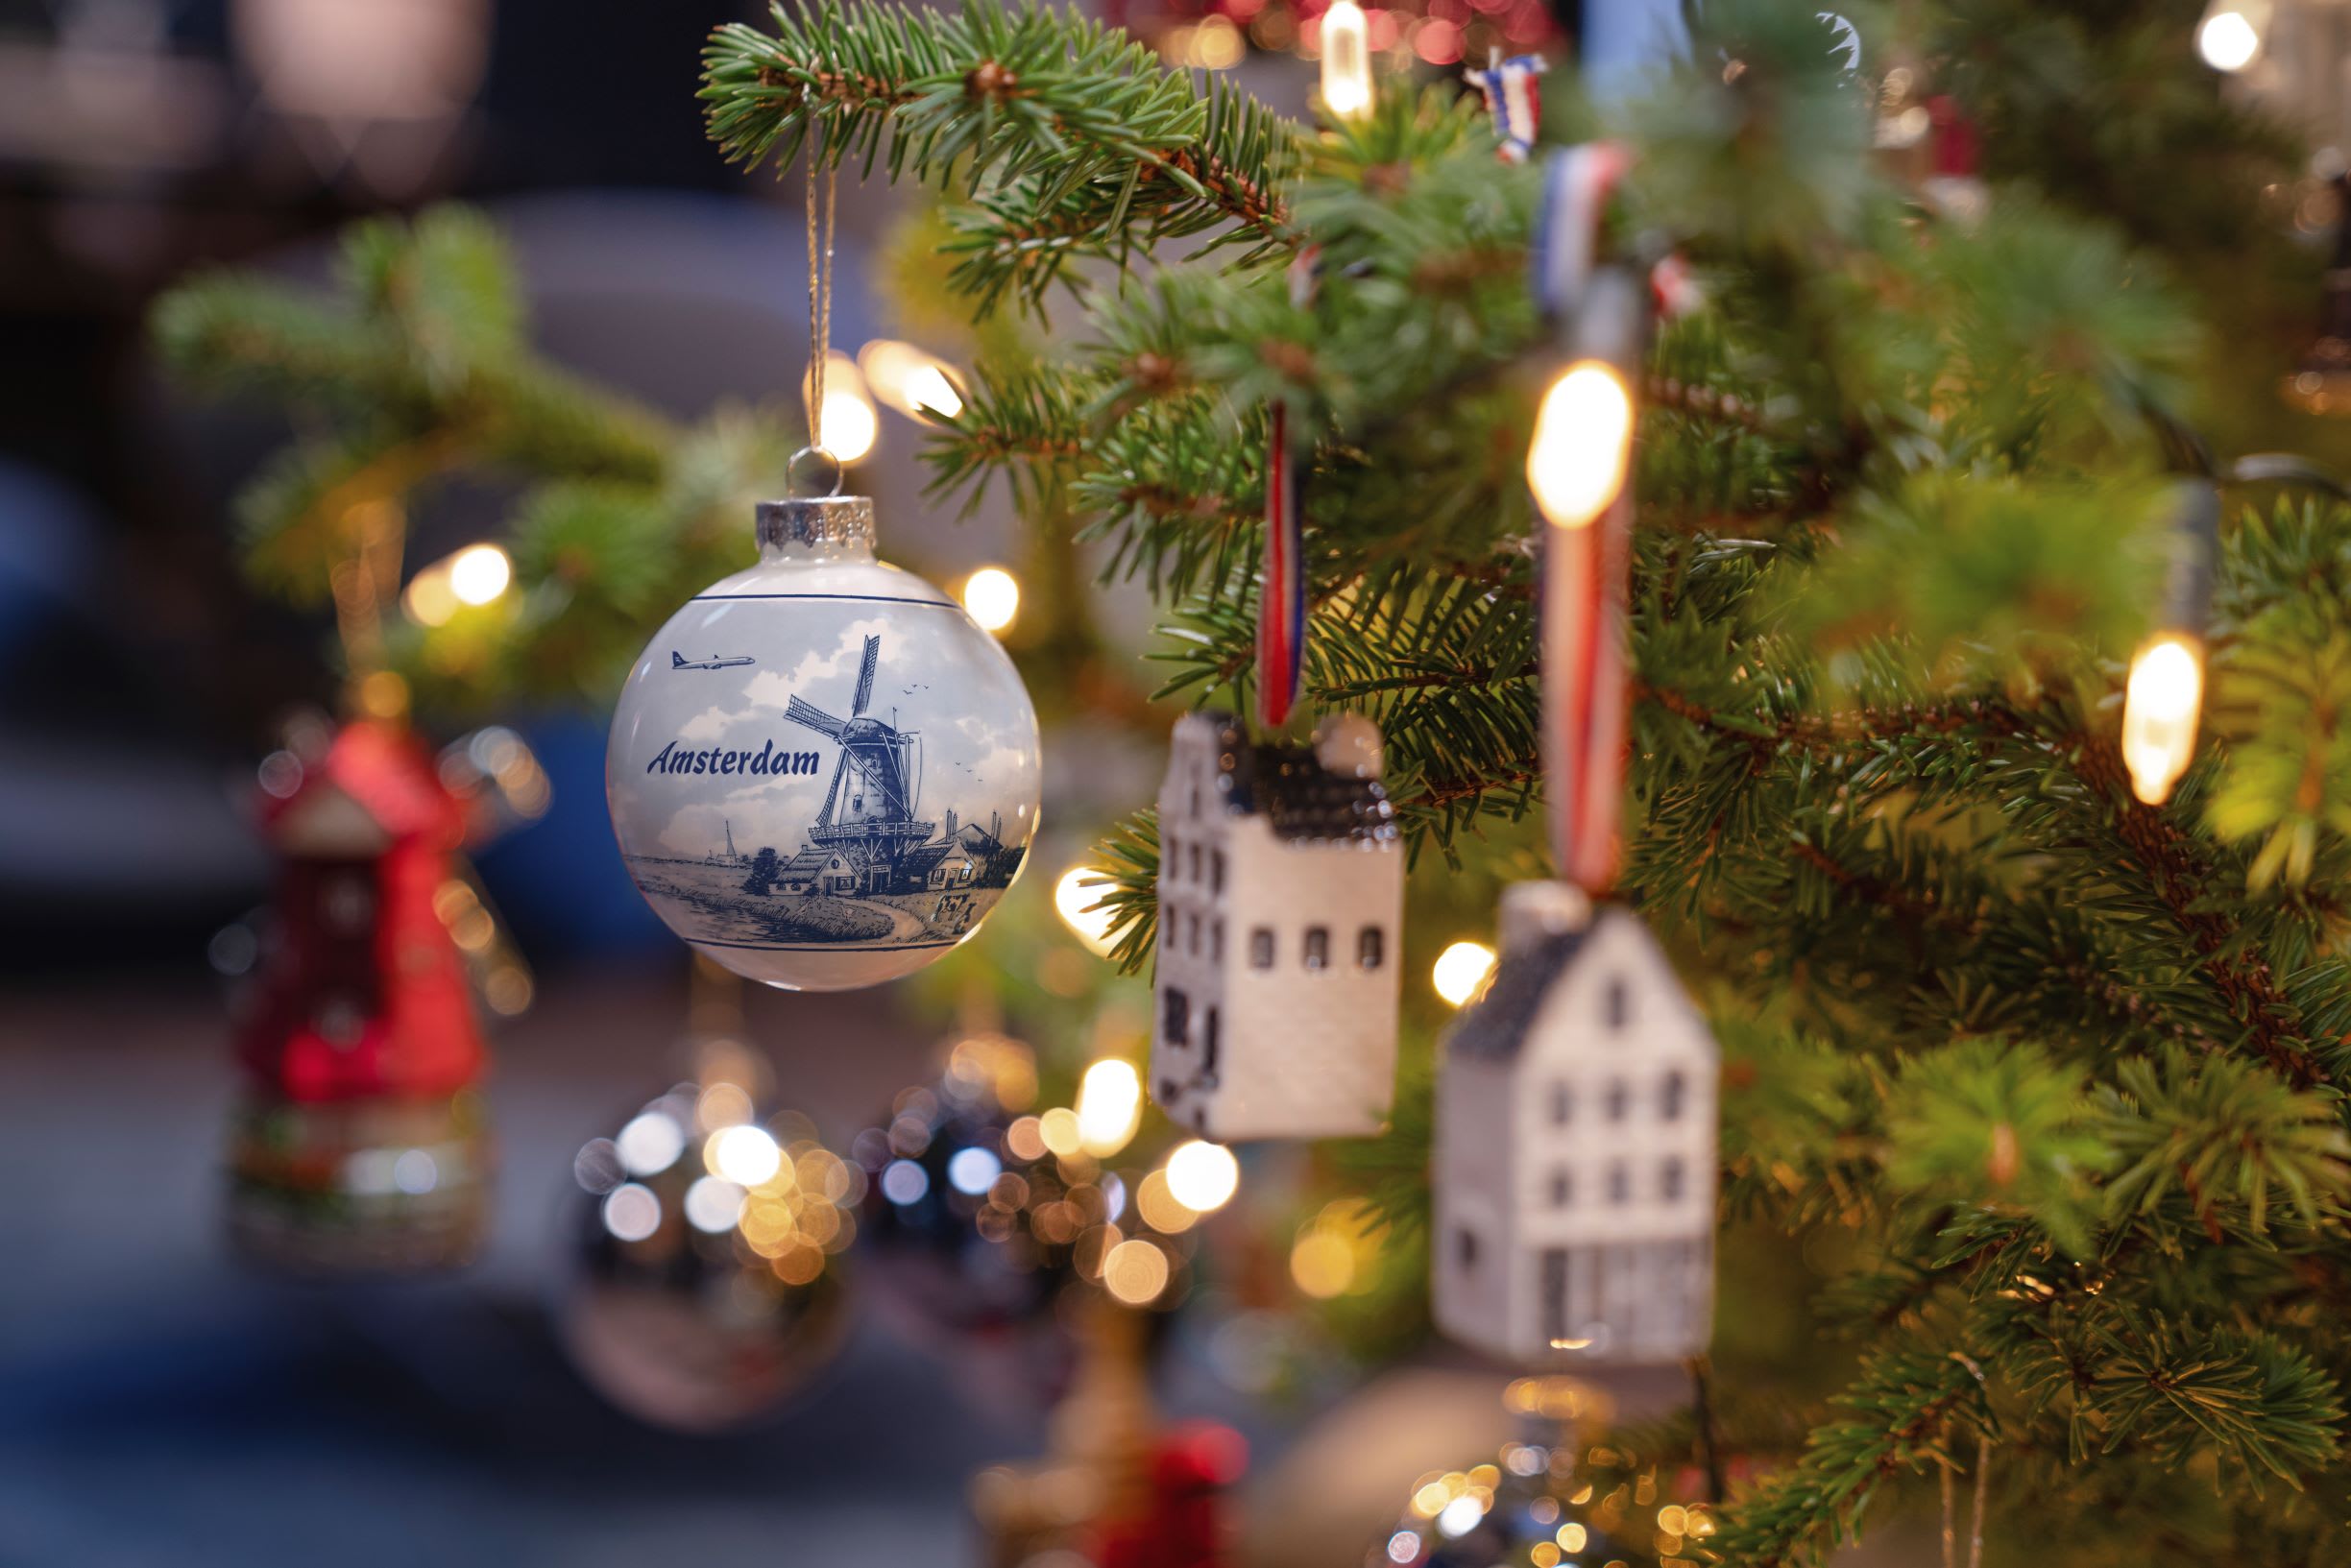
(1346,60)
(1583,444)
(480,573)
(2160,705)
(2164,697)
(1109,1106)
(2233,34)
(476,575)
(908,379)
(992,596)
(1074,897)
(849,422)
(1460,969)
(1202,1176)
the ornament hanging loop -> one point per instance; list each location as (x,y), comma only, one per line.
(813,473)
(820,292)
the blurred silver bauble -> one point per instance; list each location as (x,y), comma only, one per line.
(969,1227)
(708,1230)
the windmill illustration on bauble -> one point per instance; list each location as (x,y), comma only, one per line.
(879,762)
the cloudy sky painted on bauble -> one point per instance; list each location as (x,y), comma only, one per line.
(939,677)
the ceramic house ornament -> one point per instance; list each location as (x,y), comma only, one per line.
(823,774)
(1575,1151)
(1281,894)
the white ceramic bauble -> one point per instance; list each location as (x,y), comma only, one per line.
(822,772)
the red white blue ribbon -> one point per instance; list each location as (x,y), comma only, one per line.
(1577,182)
(1513,90)
(1281,594)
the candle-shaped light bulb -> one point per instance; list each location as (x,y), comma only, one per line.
(1583,444)
(1346,60)
(2160,708)
(2233,32)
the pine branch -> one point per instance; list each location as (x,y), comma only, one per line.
(1078,142)
(1899,1408)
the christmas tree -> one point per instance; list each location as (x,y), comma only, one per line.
(2030,1114)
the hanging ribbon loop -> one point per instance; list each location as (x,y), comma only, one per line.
(1281,592)
(820,294)
(1513,90)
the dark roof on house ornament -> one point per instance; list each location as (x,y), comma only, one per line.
(1300,799)
(1496,1026)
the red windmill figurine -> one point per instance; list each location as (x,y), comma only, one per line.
(366,992)
(362,1143)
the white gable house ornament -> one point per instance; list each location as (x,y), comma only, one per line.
(1281,896)
(822,772)
(1575,1146)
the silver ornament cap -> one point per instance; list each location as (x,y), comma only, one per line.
(835,527)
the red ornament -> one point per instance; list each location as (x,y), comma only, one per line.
(364,993)
(1184,1525)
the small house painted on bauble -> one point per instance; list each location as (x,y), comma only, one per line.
(1281,893)
(1574,1167)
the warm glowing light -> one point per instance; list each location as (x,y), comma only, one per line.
(1135,1272)
(714,1204)
(849,426)
(1583,444)
(382,694)
(743,1154)
(429,600)
(650,1144)
(1072,895)
(480,573)
(1217,45)
(2227,41)
(2232,33)
(1161,1210)
(1322,1265)
(722,1105)
(1025,1139)
(1109,1106)
(992,596)
(1202,1176)
(2160,708)
(632,1213)
(904,377)
(1346,60)
(1460,969)
(475,574)
(931,392)
(1460,1516)
(1059,1130)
